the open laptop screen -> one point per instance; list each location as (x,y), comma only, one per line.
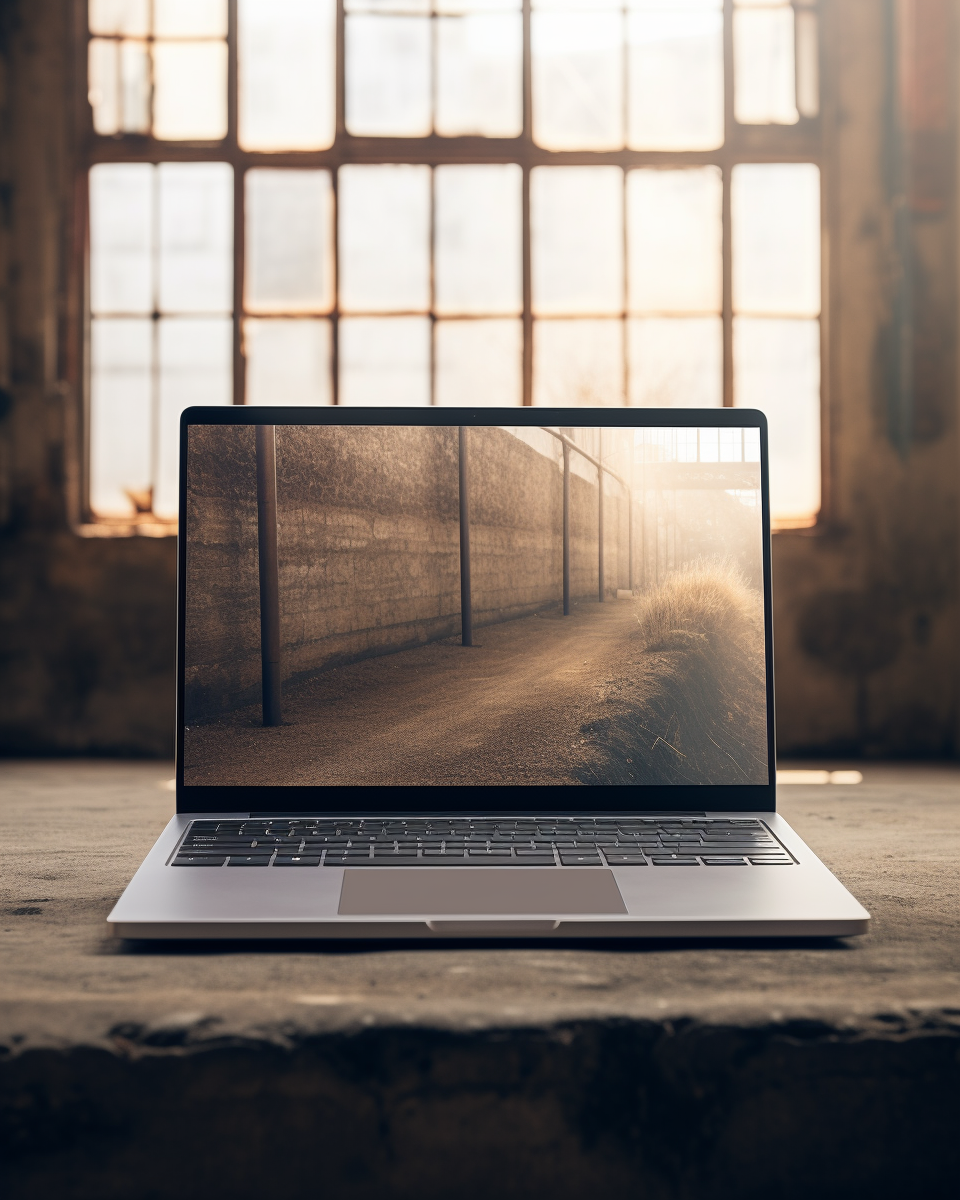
(390,605)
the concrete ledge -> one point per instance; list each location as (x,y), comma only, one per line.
(639,1108)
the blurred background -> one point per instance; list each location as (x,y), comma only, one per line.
(642,203)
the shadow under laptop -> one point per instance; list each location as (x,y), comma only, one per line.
(176,948)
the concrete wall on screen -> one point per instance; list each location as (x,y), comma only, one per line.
(368,532)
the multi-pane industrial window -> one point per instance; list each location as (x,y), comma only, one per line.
(479,202)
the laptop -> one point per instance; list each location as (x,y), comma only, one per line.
(505,678)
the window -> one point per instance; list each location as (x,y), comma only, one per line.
(471,202)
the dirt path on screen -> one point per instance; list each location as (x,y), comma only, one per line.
(508,710)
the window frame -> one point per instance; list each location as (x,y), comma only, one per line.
(805,141)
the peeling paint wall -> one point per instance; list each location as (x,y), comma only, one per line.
(866,604)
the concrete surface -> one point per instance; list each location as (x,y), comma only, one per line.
(697,1071)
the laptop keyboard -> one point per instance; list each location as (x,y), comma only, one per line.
(462,842)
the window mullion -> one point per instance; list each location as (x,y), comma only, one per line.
(335,311)
(729,135)
(239,225)
(432,287)
(155,336)
(526,140)
(239,268)
(625,284)
(340,100)
(729,125)
(727,302)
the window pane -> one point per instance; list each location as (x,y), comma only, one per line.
(384,238)
(578,363)
(808,63)
(469,6)
(479,74)
(131,17)
(478,239)
(119,86)
(675,77)
(577,232)
(674,238)
(121,226)
(287,362)
(478,363)
(385,361)
(287,75)
(776,238)
(190,90)
(196,237)
(395,6)
(577,80)
(134,87)
(675,362)
(763,66)
(289,241)
(190,18)
(195,362)
(574,5)
(103,90)
(388,76)
(120,415)
(777,369)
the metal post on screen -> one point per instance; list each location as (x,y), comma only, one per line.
(630,539)
(269,573)
(466,603)
(600,514)
(566,529)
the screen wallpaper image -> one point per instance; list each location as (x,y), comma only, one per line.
(487,605)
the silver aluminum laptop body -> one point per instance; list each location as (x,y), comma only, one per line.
(506,679)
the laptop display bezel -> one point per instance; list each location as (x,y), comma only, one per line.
(482,799)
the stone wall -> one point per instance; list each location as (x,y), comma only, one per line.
(368,532)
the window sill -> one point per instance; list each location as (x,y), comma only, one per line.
(151,527)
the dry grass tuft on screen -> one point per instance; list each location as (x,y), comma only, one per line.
(690,707)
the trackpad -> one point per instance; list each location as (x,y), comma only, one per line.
(483,891)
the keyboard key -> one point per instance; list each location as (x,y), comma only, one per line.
(393,860)
(572,859)
(249,860)
(675,861)
(481,861)
(297,860)
(206,860)
(624,860)
(772,862)
(724,862)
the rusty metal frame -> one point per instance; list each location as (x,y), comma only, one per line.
(802,142)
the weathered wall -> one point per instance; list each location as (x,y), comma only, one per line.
(368,532)
(87,624)
(867,617)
